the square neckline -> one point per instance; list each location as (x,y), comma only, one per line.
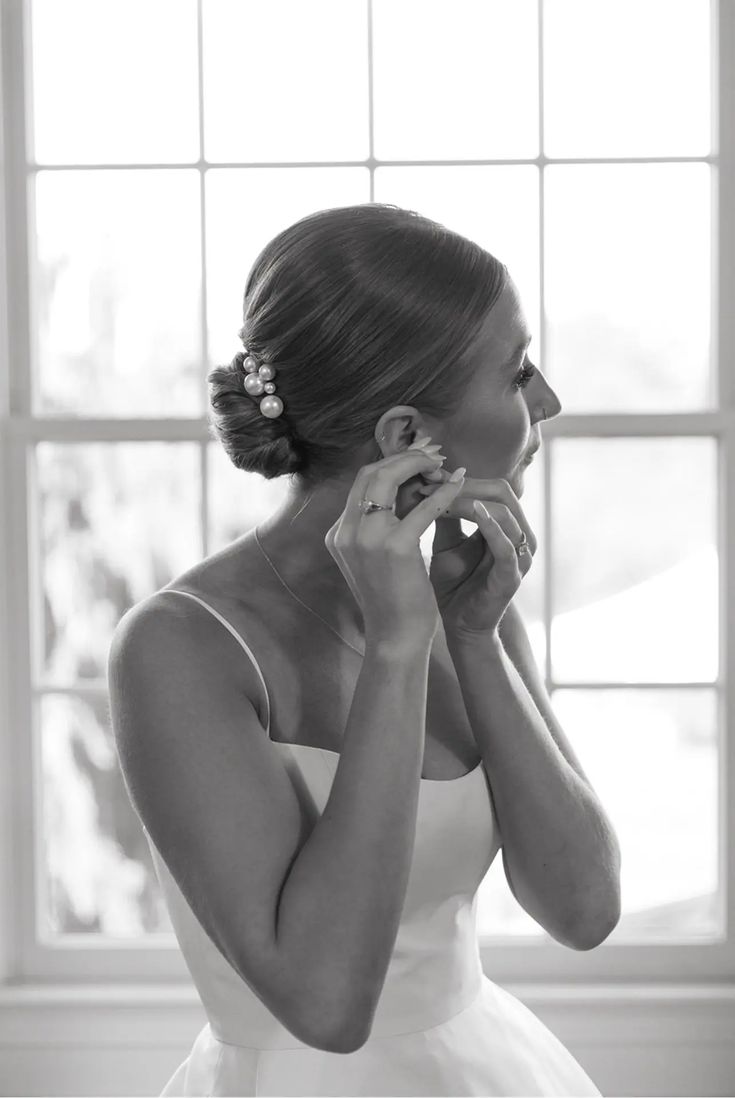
(284,743)
(338,755)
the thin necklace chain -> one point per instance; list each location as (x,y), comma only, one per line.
(295,596)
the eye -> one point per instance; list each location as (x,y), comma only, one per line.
(522,379)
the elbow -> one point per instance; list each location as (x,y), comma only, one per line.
(355,1031)
(344,1047)
(352,1020)
(597,918)
(591,933)
(340,1024)
(324,1040)
(345,1039)
(342,1031)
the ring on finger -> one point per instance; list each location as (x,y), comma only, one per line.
(523,546)
(367,506)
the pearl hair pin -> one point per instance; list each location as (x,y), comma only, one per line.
(258,380)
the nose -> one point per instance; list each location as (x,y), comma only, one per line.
(548,402)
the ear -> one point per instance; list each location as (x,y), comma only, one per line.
(398,427)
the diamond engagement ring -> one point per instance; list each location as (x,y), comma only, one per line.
(367,506)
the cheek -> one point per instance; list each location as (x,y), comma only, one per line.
(510,434)
(495,427)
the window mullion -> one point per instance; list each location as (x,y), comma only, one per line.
(723,336)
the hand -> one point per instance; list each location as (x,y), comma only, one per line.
(379,554)
(474,578)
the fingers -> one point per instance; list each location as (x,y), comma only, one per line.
(421,517)
(508,566)
(505,518)
(475,488)
(505,497)
(436,476)
(380,481)
(461,508)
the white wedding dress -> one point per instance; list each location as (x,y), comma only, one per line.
(441,1027)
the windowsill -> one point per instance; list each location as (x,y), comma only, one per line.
(604,1018)
(181,993)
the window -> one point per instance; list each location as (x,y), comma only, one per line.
(143,174)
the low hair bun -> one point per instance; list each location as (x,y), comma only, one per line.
(359,308)
(252,441)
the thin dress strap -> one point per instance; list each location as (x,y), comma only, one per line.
(237,636)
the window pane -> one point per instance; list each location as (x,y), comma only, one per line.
(497,207)
(285,80)
(627,78)
(635,568)
(97,873)
(238,500)
(628,291)
(245,210)
(117,522)
(103,92)
(118,293)
(652,758)
(455,81)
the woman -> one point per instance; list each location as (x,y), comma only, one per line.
(290,719)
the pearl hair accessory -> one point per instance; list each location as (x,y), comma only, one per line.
(259,379)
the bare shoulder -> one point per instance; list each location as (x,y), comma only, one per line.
(197,618)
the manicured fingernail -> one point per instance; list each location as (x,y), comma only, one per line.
(458,474)
(480,508)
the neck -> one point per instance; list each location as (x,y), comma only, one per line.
(293,539)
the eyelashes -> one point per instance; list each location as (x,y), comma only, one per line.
(524,376)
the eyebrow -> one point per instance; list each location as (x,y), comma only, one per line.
(512,359)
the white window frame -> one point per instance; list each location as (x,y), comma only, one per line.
(26,961)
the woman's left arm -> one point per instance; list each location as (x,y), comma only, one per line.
(560,853)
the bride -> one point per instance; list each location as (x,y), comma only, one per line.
(327,746)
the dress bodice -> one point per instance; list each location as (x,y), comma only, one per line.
(456,841)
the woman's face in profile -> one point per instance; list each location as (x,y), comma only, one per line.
(495,428)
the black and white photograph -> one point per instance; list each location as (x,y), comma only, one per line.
(367,571)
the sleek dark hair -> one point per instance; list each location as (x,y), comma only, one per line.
(358,308)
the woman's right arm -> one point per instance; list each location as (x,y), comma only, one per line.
(308,920)
(342,901)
